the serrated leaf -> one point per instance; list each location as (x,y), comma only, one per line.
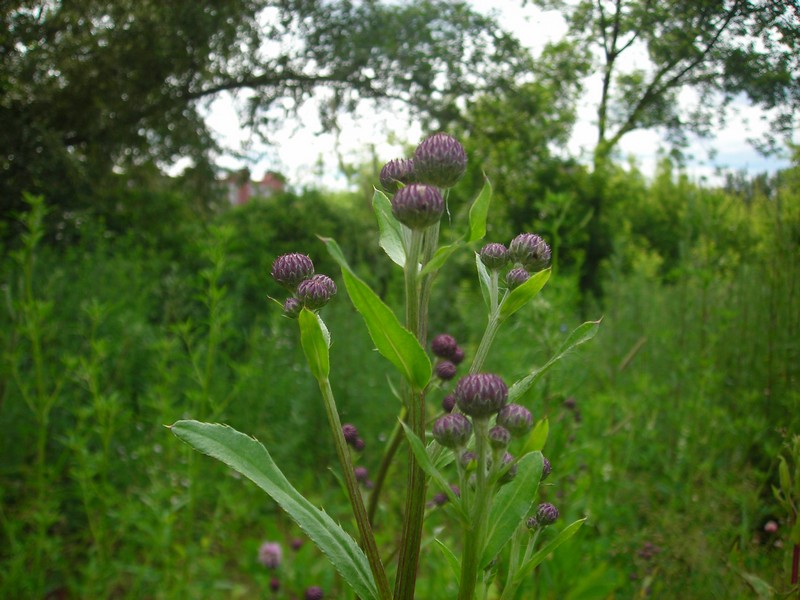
(396,343)
(485,280)
(479,211)
(315,344)
(424,461)
(549,547)
(249,457)
(391,230)
(523,294)
(582,333)
(440,258)
(511,504)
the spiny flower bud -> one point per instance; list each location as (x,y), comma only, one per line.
(314,593)
(458,356)
(452,431)
(274,584)
(290,269)
(440,160)
(315,293)
(516,418)
(269,555)
(361,474)
(418,206)
(499,437)
(350,433)
(467,459)
(494,256)
(396,172)
(546,468)
(508,459)
(448,403)
(481,394)
(444,345)
(532,523)
(530,250)
(445,370)
(516,277)
(359,445)
(546,514)
(292,307)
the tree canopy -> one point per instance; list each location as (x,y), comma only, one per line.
(89,85)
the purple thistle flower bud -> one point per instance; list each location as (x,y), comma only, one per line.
(439,499)
(467,458)
(350,433)
(444,345)
(452,431)
(269,555)
(440,160)
(274,584)
(292,307)
(494,256)
(516,277)
(359,445)
(481,395)
(445,370)
(361,474)
(499,437)
(290,269)
(456,490)
(418,206)
(448,403)
(516,418)
(315,293)
(530,250)
(458,356)
(532,523)
(396,172)
(297,543)
(508,459)
(546,514)
(546,468)
(314,593)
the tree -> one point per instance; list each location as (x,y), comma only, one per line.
(90,85)
(646,53)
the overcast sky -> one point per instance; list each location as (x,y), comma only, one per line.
(309,158)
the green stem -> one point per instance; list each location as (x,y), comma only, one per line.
(360,513)
(408,560)
(475,533)
(492,325)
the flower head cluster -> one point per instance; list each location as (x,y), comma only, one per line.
(447,349)
(439,161)
(525,254)
(296,272)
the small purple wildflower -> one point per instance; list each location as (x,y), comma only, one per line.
(269,554)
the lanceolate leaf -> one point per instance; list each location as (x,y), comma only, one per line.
(485,280)
(583,333)
(478,213)
(396,343)
(391,238)
(440,258)
(250,458)
(549,547)
(523,294)
(315,344)
(538,437)
(512,504)
(452,559)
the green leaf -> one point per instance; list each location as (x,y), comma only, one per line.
(418,448)
(523,294)
(783,476)
(763,590)
(452,559)
(485,280)
(396,343)
(250,458)
(538,437)
(440,258)
(315,343)
(549,547)
(391,230)
(582,333)
(479,211)
(511,504)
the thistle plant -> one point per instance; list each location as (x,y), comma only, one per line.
(483,452)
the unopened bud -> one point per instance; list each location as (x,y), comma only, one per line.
(530,250)
(440,160)
(499,437)
(516,277)
(445,370)
(396,173)
(494,256)
(290,269)
(481,395)
(546,514)
(418,206)
(452,431)
(444,345)
(516,418)
(292,307)
(316,292)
